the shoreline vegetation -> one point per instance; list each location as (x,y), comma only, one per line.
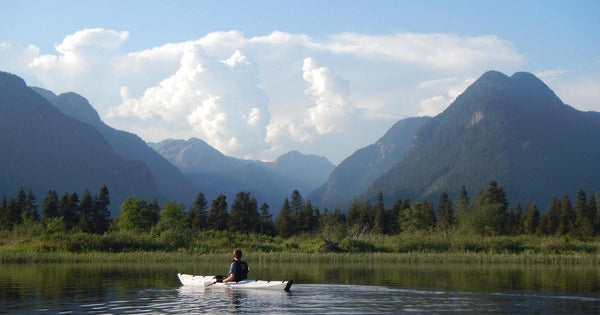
(479,230)
(207,246)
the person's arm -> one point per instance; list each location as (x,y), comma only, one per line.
(230,278)
(232,271)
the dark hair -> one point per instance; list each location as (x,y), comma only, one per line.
(238,253)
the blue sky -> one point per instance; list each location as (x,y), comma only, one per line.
(331,65)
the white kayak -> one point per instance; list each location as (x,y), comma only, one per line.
(209,282)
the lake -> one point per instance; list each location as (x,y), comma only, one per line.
(318,288)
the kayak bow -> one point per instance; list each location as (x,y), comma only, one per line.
(209,281)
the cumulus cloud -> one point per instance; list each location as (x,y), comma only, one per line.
(220,101)
(332,108)
(262,96)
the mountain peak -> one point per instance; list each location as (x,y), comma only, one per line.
(77,107)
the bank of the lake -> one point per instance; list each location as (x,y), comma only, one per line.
(431,247)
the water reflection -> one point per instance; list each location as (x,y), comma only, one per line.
(322,289)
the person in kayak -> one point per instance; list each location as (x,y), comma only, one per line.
(238,270)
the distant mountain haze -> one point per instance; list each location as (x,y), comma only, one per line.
(356,173)
(271,182)
(511,129)
(170,182)
(45,149)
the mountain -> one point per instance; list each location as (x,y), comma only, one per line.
(511,129)
(45,149)
(213,172)
(169,180)
(356,173)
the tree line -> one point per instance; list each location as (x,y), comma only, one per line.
(487,213)
(88,214)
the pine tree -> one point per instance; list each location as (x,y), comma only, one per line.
(150,215)
(50,206)
(31,208)
(532,219)
(11,215)
(551,219)
(462,206)
(584,216)
(21,201)
(516,220)
(218,218)
(593,206)
(100,218)
(296,202)
(445,213)
(197,213)
(86,212)
(567,217)
(379,222)
(267,226)
(244,214)
(306,220)
(429,214)
(3,213)
(284,224)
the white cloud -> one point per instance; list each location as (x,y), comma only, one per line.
(450,88)
(437,50)
(214,99)
(550,75)
(332,108)
(262,96)
(583,94)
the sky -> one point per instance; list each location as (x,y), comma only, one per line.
(256,79)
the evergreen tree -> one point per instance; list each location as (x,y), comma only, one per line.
(296,202)
(399,206)
(86,212)
(514,220)
(338,217)
(462,206)
(551,219)
(567,217)
(21,201)
(445,213)
(218,218)
(584,216)
(69,209)
(379,222)
(3,213)
(197,214)
(150,215)
(31,208)
(100,217)
(11,215)
(532,219)
(50,206)
(593,206)
(306,220)
(284,224)
(267,226)
(244,214)
(429,214)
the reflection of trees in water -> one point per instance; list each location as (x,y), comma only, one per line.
(80,281)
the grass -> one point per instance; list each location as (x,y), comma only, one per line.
(283,257)
(31,244)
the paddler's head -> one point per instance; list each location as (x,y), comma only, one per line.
(237,254)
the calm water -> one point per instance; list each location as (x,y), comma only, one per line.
(318,289)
